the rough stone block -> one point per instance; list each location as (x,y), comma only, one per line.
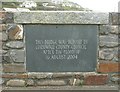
(3,52)
(51,83)
(30,82)
(114,18)
(58,17)
(15,32)
(16,83)
(1,43)
(3,36)
(12,76)
(20,68)
(105,29)
(109,40)
(2,27)
(115,78)
(6,58)
(15,44)
(109,54)
(9,18)
(17,56)
(4,47)
(115,29)
(40,75)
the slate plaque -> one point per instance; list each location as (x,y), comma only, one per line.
(61,48)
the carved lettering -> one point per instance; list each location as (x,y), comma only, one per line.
(61,49)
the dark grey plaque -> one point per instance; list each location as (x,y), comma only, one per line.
(61,48)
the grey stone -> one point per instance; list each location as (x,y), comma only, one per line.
(10,9)
(1,81)
(0,21)
(3,36)
(51,83)
(115,78)
(105,29)
(6,58)
(115,30)
(1,43)
(106,54)
(3,52)
(71,81)
(15,44)
(39,75)
(30,82)
(0,59)
(61,17)
(9,17)
(17,55)
(4,47)
(114,18)
(109,54)
(109,40)
(16,83)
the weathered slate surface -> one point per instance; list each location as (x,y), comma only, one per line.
(61,17)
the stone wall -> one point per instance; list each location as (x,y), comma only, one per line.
(13,50)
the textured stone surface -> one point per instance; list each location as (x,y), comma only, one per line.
(96,80)
(115,18)
(14,68)
(109,54)
(3,36)
(62,75)
(3,52)
(61,17)
(76,82)
(15,32)
(30,82)
(107,67)
(109,40)
(40,75)
(51,83)
(9,18)
(18,76)
(2,27)
(115,78)
(6,58)
(17,55)
(15,44)
(16,83)
(1,43)
(1,81)
(115,29)
(105,29)
(2,16)
(4,47)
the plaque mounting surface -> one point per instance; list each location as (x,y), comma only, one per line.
(61,48)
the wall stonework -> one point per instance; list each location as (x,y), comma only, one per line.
(13,55)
